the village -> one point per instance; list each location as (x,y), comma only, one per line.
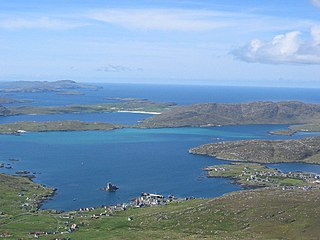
(257,175)
(68,218)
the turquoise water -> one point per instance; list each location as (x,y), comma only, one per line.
(137,160)
(113,117)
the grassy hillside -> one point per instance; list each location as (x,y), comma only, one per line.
(259,214)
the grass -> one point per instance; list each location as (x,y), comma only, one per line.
(11,187)
(291,182)
(257,214)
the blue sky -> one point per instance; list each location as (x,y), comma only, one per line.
(218,42)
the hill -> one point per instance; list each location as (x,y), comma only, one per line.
(43,86)
(264,151)
(214,114)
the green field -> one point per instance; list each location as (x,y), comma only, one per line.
(268,213)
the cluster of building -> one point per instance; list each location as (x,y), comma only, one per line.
(267,176)
(149,199)
(69,229)
(144,200)
(305,188)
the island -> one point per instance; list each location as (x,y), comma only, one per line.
(43,86)
(19,128)
(133,106)
(305,150)
(10,100)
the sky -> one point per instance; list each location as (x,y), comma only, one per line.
(205,42)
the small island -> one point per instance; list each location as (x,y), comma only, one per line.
(9,100)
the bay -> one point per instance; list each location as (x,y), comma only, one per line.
(79,164)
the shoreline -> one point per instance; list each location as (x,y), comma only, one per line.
(142,112)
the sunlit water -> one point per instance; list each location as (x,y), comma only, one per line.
(138,160)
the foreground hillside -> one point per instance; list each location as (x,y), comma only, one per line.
(264,151)
(213,114)
(257,214)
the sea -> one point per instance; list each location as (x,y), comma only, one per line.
(80,163)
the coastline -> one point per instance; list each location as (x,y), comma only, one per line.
(142,112)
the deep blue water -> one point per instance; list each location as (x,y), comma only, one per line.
(137,160)
(180,94)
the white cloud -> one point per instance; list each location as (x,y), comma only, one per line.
(163,19)
(117,68)
(193,20)
(316,3)
(287,48)
(43,23)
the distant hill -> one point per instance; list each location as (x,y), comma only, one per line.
(43,86)
(264,151)
(214,114)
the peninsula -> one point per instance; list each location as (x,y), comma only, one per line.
(217,114)
(264,151)
(293,129)
(257,175)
